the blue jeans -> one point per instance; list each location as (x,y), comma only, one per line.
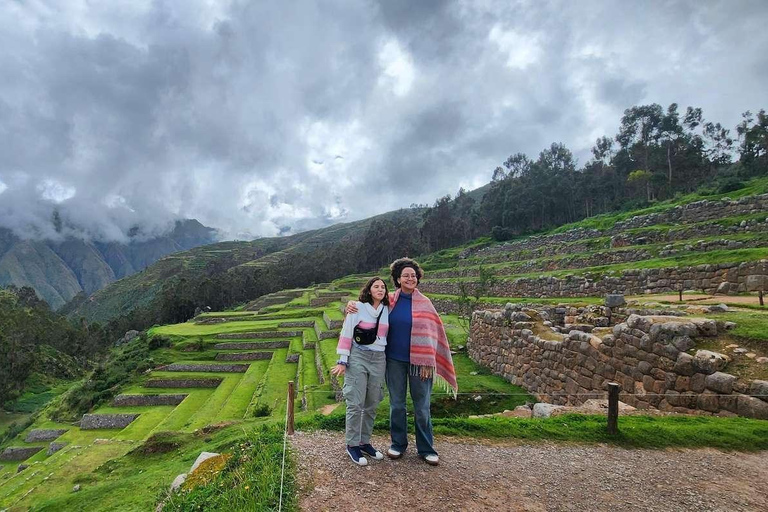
(398,379)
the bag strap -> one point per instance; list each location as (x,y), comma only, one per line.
(379,318)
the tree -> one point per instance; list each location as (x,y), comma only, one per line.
(642,177)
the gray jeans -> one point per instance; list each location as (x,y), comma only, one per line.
(363,391)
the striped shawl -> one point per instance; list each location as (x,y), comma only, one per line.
(429,344)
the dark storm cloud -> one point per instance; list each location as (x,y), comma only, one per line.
(264,118)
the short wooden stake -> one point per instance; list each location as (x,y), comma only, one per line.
(680,292)
(613,408)
(289,426)
(760,296)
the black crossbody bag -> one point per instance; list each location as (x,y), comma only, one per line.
(366,336)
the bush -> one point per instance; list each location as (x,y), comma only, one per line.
(159,342)
(262,411)
(729,185)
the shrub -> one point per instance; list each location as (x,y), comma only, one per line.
(262,411)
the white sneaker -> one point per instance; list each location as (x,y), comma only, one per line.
(394,454)
(432,459)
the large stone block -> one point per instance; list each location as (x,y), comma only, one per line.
(706,361)
(684,364)
(720,382)
(708,401)
(752,407)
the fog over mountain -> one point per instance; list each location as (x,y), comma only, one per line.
(265,118)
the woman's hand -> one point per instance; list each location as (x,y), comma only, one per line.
(338,370)
(425,372)
(351,308)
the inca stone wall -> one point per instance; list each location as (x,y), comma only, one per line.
(258,335)
(37,435)
(715,278)
(228,368)
(332,324)
(97,421)
(182,383)
(251,346)
(648,356)
(137,400)
(19,453)
(244,356)
(297,323)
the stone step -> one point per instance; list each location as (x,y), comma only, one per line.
(44,435)
(243,356)
(16,453)
(182,383)
(207,368)
(104,421)
(139,400)
(252,345)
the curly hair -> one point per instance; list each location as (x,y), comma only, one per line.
(397,267)
(365,292)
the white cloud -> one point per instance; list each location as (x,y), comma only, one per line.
(521,49)
(397,67)
(55,191)
(3,187)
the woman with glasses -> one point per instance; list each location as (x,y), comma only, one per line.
(417,354)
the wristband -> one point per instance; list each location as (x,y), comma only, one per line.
(345,363)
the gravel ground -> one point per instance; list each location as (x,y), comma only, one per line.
(474,476)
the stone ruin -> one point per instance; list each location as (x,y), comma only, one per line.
(99,421)
(37,435)
(139,400)
(182,383)
(213,368)
(258,335)
(575,352)
(252,345)
(14,453)
(244,356)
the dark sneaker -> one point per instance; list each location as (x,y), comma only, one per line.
(370,450)
(356,455)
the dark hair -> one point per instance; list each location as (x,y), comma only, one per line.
(365,292)
(397,267)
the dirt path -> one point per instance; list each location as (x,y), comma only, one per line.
(538,477)
(694,299)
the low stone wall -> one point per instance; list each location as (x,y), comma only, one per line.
(250,345)
(647,356)
(322,335)
(258,335)
(292,358)
(15,453)
(138,400)
(54,447)
(243,356)
(332,324)
(182,383)
(38,435)
(297,323)
(319,366)
(715,278)
(213,368)
(99,421)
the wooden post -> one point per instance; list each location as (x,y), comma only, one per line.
(760,296)
(680,292)
(613,408)
(289,426)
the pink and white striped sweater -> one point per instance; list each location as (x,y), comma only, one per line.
(366,318)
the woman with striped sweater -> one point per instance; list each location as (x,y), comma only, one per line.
(362,361)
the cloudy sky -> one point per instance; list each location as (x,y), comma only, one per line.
(260,118)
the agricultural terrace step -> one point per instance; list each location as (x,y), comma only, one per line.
(99,421)
(139,400)
(297,323)
(213,368)
(251,345)
(38,435)
(292,358)
(322,301)
(258,335)
(332,324)
(182,383)
(15,453)
(54,447)
(337,295)
(523,250)
(322,335)
(308,345)
(720,278)
(243,356)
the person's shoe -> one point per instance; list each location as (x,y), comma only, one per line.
(432,459)
(356,456)
(394,454)
(370,450)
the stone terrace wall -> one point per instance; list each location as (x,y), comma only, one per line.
(138,400)
(97,421)
(258,335)
(14,453)
(38,435)
(214,368)
(715,278)
(182,383)
(251,346)
(645,355)
(700,211)
(243,356)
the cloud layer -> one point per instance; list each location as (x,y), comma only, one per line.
(262,118)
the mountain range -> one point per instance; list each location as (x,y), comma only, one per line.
(60,270)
